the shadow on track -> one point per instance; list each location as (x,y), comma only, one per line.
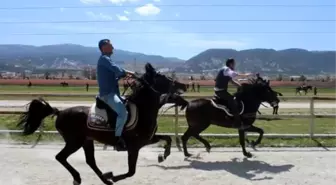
(247,169)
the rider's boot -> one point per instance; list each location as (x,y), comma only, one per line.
(121,144)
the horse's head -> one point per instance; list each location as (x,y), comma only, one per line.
(266,93)
(260,90)
(161,83)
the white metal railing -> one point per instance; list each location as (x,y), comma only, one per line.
(176,115)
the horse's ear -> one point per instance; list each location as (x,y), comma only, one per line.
(149,69)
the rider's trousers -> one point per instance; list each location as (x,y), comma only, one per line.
(224,95)
(114,101)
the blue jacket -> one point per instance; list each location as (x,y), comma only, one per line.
(108,74)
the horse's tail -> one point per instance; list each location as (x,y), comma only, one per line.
(182,102)
(32,119)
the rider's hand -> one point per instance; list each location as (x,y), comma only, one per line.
(130,74)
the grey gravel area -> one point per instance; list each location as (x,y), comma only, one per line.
(21,165)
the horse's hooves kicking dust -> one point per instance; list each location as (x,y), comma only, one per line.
(190,156)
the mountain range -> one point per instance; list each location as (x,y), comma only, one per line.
(68,56)
(268,61)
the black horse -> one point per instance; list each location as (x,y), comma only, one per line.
(80,129)
(303,88)
(64,84)
(201,113)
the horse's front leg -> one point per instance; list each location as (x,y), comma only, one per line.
(242,143)
(133,153)
(167,146)
(256,130)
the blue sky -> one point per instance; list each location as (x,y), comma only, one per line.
(190,38)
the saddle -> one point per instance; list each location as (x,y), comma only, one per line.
(223,105)
(102,117)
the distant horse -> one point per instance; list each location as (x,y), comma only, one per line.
(80,126)
(64,84)
(303,88)
(201,113)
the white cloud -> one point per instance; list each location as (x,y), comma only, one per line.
(177,15)
(122,17)
(147,10)
(90,1)
(156,0)
(98,16)
(120,2)
(62,9)
(127,12)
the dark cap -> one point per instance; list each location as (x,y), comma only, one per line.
(103,42)
(229,61)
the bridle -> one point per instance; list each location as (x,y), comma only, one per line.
(150,86)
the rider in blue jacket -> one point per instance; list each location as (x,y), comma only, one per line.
(108,75)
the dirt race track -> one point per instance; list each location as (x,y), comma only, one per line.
(21,165)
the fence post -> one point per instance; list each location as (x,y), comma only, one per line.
(177,139)
(312,118)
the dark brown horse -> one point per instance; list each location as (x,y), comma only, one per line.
(303,88)
(201,113)
(80,127)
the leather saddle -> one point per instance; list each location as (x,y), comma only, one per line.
(223,105)
(103,117)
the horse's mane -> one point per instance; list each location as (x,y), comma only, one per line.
(136,86)
(247,87)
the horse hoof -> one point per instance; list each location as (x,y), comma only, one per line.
(161,158)
(76,183)
(208,149)
(107,182)
(248,155)
(108,175)
(187,155)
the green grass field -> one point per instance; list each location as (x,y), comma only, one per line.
(204,91)
(287,126)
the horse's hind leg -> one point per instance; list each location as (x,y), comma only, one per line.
(185,139)
(70,148)
(205,142)
(90,160)
(193,131)
(167,146)
(257,130)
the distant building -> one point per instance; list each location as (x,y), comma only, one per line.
(7,74)
(295,77)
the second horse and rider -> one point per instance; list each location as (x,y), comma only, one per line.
(131,123)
